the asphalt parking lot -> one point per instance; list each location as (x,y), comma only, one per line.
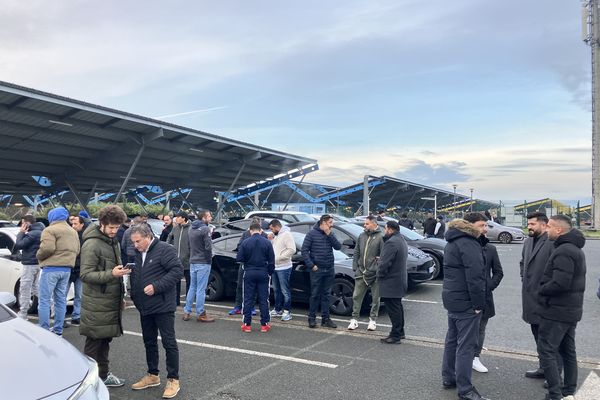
(292,361)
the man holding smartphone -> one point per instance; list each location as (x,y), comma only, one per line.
(28,241)
(102,299)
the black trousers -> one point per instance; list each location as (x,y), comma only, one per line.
(555,340)
(186,274)
(535,330)
(482,326)
(459,349)
(151,326)
(320,292)
(98,350)
(396,312)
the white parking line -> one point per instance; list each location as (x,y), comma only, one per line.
(249,352)
(432,284)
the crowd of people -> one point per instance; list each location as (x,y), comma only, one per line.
(102,260)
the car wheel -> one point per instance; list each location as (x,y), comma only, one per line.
(437,267)
(505,238)
(215,287)
(341,296)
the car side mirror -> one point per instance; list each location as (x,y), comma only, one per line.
(349,243)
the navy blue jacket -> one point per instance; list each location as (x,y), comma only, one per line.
(256,253)
(317,248)
(29,243)
(162,268)
(465,283)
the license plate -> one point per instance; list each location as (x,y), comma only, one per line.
(431,269)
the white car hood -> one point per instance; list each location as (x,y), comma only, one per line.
(37,363)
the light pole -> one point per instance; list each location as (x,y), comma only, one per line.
(471,208)
(434,198)
(454,200)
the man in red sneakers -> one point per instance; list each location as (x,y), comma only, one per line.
(257,256)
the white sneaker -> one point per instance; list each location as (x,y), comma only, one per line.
(372,325)
(286,316)
(478,366)
(569,397)
(275,313)
(353,324)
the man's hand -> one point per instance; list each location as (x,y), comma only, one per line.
(327,230)
(119,271)
(149,290)
(23,228)
(314,268)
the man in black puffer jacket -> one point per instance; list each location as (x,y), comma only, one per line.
(560,298)
(28,241)
(464,296)
(153,287)
(317,251)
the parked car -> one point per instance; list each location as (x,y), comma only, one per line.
(7,224)
(223,276)
(238,226)
(420,265)
(11,267)
(59,371)
(287,216)
(504,234)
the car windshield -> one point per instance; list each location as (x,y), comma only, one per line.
(352,229)
(409,234)
(304,218)
(5,315)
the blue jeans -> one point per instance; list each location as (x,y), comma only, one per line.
(199,274)
(281,287)
(53,283)
(78,286)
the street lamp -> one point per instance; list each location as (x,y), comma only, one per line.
(471,189)
(454,200)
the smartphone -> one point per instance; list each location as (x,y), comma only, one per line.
(129,266)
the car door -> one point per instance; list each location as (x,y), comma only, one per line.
(10,270)
(347,241)
(300,279)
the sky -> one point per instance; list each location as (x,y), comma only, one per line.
(488,95)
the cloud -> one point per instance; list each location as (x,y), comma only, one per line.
(435,174)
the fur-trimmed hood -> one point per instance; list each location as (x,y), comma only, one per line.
(458,228)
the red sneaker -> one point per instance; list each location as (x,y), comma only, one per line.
(246,328)
(265,328)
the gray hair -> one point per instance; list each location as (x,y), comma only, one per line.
(142,229)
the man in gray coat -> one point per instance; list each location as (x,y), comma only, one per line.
(179,238)
(393,279)
(366,256)
(536,252)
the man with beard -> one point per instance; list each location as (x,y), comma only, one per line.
(560,300)
(536,252)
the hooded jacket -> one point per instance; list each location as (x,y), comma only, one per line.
(563,283)
(200,243)
(284,248)
(368,248)
(464,287)
(179,238)
(317,248)
(29,243)
(391,274)
(256,253)
(59,244)
(102,292)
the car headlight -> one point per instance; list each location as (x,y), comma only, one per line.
(90,382)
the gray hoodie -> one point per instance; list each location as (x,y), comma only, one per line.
(200,243)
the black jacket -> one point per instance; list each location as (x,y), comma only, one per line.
(442,231)
(162,269)
(465,285)
(563,283)
(256,253)
(407,223)
(29,243)
(391,273)
(493,274)
(534,257)
(165,232)
(429,227)
(317,248)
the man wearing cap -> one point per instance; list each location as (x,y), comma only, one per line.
(58,250)
(179,238)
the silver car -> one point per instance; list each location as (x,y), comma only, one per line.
(40,365)
(504,234)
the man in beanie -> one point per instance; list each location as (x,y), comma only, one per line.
(58,250)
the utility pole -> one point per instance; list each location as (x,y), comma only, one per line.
(591,35)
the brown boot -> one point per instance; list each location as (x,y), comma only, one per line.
(186,317)
(171,389)
(205,318)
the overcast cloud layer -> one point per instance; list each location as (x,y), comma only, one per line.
(489,95)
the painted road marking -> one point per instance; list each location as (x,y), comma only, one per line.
(249,352)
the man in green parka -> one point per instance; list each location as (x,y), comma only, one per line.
(102,298)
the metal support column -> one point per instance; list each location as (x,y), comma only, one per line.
(231,187)
(365,205)
(292,194)
(130,172)
(76,195)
